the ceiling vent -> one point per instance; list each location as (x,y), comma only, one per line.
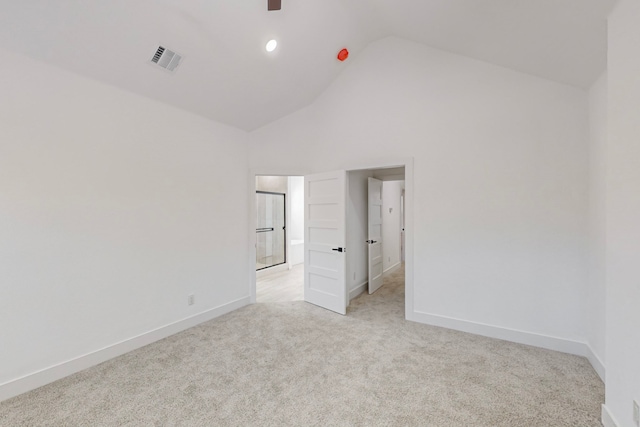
(166,58)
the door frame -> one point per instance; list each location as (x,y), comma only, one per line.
(407,162)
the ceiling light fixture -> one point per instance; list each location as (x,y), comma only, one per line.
(271,45)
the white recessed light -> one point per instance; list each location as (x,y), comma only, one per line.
(271,45)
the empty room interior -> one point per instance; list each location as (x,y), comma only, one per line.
(412,213)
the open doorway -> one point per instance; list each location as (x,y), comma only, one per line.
(279,231)
(347,286)
(375,233)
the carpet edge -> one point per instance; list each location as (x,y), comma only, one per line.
(61,370)
(521,337)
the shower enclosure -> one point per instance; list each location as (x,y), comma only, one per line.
(270,229)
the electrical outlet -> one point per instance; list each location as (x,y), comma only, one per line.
(191,299)
(636,413)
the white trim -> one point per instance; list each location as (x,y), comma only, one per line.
(513,335)
(287,224)
(252,236)
(529,338)
(358,290)
(597,364)
(53,373)
(607,418)
(393,268)
(408,240)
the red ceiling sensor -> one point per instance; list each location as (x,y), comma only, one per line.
(343,54)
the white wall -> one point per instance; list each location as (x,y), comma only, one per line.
(113,208)
(596,295)
(623,213)
(500,182)
(391,223)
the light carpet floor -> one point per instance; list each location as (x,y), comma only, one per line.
(295,364)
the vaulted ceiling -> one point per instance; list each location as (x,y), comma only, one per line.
(227,75)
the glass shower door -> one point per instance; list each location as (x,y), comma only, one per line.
(270,230)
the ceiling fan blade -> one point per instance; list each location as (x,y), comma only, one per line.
(274,4)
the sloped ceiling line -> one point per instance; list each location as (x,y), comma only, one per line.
(228,76)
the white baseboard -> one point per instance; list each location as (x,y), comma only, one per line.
(363,286)
(358,290)
(596,363)
(393,268)
(544,341)
(521,337)
(607,418)
(53,373)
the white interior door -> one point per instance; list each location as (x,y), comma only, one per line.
(324,240)
(375,234)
